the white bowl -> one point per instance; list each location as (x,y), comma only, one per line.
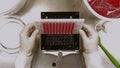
(10,28)
(8,7)
(96,14)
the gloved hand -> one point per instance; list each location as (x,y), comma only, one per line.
(90,38)
(27,39)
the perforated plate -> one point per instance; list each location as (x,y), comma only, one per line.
(60,41)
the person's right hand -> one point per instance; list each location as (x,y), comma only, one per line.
(90,38)
(27,38)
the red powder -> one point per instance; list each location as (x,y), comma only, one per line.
(115,3)
(107,8)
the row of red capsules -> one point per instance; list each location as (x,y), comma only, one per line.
(58,28)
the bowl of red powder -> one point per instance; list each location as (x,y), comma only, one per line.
(104,9)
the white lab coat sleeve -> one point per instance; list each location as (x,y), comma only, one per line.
(93,60)
(23,61)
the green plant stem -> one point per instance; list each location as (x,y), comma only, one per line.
(109,55)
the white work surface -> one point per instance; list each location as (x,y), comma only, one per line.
(31,14)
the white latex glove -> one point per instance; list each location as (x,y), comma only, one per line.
(27,39)
(90,38)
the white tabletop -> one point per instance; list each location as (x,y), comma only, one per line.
(31,13)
